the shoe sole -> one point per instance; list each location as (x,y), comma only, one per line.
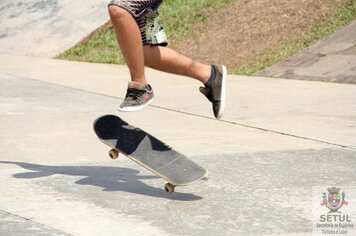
(223,93)
(136,108)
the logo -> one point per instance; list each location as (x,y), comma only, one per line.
(328,218)
(334,200)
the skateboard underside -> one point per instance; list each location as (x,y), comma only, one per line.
(147,151)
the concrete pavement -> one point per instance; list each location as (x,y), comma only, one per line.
(47,27)
(277,141)
(332,59)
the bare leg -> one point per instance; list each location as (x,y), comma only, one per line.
(130,42)
(160,58)
(163,59)
(168,60)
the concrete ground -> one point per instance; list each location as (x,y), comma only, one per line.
(47,27)
(332,59)
(277,140)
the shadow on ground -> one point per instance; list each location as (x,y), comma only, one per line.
(108,178)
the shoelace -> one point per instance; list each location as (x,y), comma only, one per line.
(134,93)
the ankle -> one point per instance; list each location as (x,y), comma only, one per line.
(140,80)
(204,74)
(212,76)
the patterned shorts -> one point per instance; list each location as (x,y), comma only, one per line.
(145,13)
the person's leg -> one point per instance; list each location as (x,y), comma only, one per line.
(133,33)
(160,58)
(213,77)
(168,60)
(130,42)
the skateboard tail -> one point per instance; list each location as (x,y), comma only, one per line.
(173,175)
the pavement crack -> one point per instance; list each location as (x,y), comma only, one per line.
(257,128)
(192,114)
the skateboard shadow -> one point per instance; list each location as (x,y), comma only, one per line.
(110,179)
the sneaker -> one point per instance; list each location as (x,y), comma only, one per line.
(138,96)
(216,92)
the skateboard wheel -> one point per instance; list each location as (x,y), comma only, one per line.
(169,187)
(113,154)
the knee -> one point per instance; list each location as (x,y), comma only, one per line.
(117,13)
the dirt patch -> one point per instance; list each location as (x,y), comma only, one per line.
(247,27)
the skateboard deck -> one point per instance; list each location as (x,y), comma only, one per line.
(147,151)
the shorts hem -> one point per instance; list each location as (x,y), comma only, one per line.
(127,8)
(156,44)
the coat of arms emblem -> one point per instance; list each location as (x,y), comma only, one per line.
(334,200)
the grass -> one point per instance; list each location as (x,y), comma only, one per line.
(269,57)
(179,18)
(100,47)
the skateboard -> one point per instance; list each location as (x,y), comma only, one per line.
(147,151)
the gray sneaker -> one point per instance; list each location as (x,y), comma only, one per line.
(138,96)
(216,92)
